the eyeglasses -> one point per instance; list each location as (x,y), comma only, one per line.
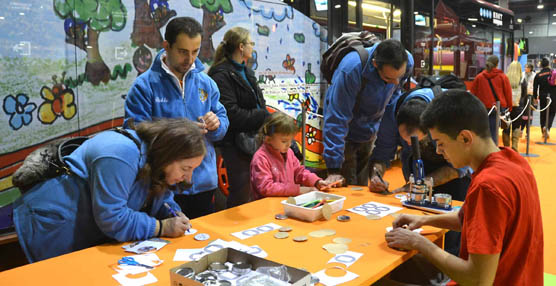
(251,43)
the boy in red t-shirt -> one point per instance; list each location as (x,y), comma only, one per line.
(502,235)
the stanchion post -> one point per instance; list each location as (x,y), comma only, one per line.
(545,139)
(497,121)
(527,154)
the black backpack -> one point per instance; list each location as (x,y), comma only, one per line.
(355,41)
(436,83)
(47,161)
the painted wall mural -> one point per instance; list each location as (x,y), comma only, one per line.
(66,66)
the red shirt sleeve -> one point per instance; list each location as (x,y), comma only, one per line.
(486,218)
(508,92)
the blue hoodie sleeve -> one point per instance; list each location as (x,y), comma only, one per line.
(388,137)
(338,111)
(110,181)
(138,103)
(220,111)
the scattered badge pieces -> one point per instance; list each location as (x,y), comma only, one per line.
(343,218)
(201,236)
(342,240)
(356,188)
(322,233)
(326,211)
(190,231)
(418,230)
(374,208)
(301,238)
(285,229)
(280,216)
(256,230)
(281,235)
(347,258)
(335,248)
(144,246)
(291,201)
(372,217)
(329,280)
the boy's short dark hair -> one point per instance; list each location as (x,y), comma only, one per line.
(410,113)
(182,25)
(456,110)
(544,62)
(390,52)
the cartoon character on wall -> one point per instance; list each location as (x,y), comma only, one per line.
(142,59)
(58,101)
(288,63)
(213,20)
(107,15)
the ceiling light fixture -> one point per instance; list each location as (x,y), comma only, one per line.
(540,6)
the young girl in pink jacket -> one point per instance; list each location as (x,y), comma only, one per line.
(275,171)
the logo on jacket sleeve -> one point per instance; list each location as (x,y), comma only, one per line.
(160,99)
(203,95)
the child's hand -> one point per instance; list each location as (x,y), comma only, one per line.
(304,190)
(321,185)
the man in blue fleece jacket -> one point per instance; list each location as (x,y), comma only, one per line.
(351,121)
(175,86)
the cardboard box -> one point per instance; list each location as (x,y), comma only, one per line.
(308,214)
(298,277)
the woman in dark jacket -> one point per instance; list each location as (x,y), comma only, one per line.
(245,106)
(541,90)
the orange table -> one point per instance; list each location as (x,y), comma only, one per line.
(91,266)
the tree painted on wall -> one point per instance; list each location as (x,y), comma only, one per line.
(149,18)
(84,21)
(213,20)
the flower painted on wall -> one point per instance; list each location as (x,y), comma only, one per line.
(58,101)
(311,135)
(19,109)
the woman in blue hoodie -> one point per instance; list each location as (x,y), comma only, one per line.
(116,190)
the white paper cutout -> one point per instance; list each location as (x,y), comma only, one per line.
(149,259)
(330,281)
(374,208)
(196,253)
(125,281)
(244,234)
(190,231)
(347,258)
(418,230)
(150,245)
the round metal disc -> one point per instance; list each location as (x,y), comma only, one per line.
(201,236)
(280,216)
(300,238)
(285,229)
(343,218)
(281,235)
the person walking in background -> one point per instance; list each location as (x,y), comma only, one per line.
(246,109)
(492,85)
(275,171)
(354,105)
(176,87)
(514,76)
(541,91)
(526,91)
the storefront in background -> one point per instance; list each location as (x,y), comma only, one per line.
(460,43)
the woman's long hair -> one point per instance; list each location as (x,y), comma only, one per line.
(514,74)
(231,41)
(168,140)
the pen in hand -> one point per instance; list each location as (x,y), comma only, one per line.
(174,213)
(170,209)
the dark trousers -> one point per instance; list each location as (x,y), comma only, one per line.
(238,170)
(492,127)
(194,206)
(551,112)
(355,168)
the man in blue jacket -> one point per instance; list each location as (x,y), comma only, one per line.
(401,120)
(175,86)
(354,105)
